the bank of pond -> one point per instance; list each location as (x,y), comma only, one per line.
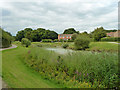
(75,69)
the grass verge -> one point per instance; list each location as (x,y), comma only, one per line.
(17,74)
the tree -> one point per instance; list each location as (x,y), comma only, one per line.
(70,31)
(82,42)
(74,36)
(25,42)
(98,34)
(22,34)
(36,35)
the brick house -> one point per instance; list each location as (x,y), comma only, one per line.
(64,36)
(114,34)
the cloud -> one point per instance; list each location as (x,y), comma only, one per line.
(59,15)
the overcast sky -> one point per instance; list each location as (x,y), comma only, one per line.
(58,15)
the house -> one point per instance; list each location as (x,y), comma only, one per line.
(111,34)
(64,36)
(117,33)
(114,34)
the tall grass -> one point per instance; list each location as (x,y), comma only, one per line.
(76,69)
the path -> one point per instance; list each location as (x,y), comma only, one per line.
(13,46)
(2,83)
(114,42)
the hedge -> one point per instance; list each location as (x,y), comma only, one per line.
(111,39)
(5,38)
(46,40)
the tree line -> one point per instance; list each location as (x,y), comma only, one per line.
(36,35)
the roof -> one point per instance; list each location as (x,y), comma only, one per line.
(65,34)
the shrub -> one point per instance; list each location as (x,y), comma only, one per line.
(61,40)
(46,40)
(65,45)
(111,39)
(82,42)
(25,42)
(56,40)
(70,40)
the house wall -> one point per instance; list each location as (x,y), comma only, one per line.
(64,36)
(114,34)
(117,34)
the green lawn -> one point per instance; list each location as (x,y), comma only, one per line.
(17,74)
(103,46)
(93,46)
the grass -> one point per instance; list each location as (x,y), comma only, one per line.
(93,46)
(103,46)
(18,65)
(75,69)
(17,74)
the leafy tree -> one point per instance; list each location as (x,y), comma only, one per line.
(22,34)
(70,31)
(82,42)
(25,42)
(98,34)
(28,36)
(36,35)
(108,31)
(74,36)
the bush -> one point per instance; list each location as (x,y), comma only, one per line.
(65,45)
(111,39)
(82,42)
(56,40)
(46,40)
(61,40)
(25,42)
(70,40)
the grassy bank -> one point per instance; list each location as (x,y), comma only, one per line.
(93,46)
(76,70)
(103,46)
(17,74)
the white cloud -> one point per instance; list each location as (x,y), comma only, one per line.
(59,15)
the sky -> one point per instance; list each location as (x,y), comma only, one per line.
(58,15)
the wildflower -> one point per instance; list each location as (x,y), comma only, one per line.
(29,52)
(76,72)
(87,74)
(80,73)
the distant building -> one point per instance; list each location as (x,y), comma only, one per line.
(64,36)
(114,34)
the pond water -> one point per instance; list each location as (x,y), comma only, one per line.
(60,50)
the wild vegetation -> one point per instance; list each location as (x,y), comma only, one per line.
(6,38)
(75,70)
